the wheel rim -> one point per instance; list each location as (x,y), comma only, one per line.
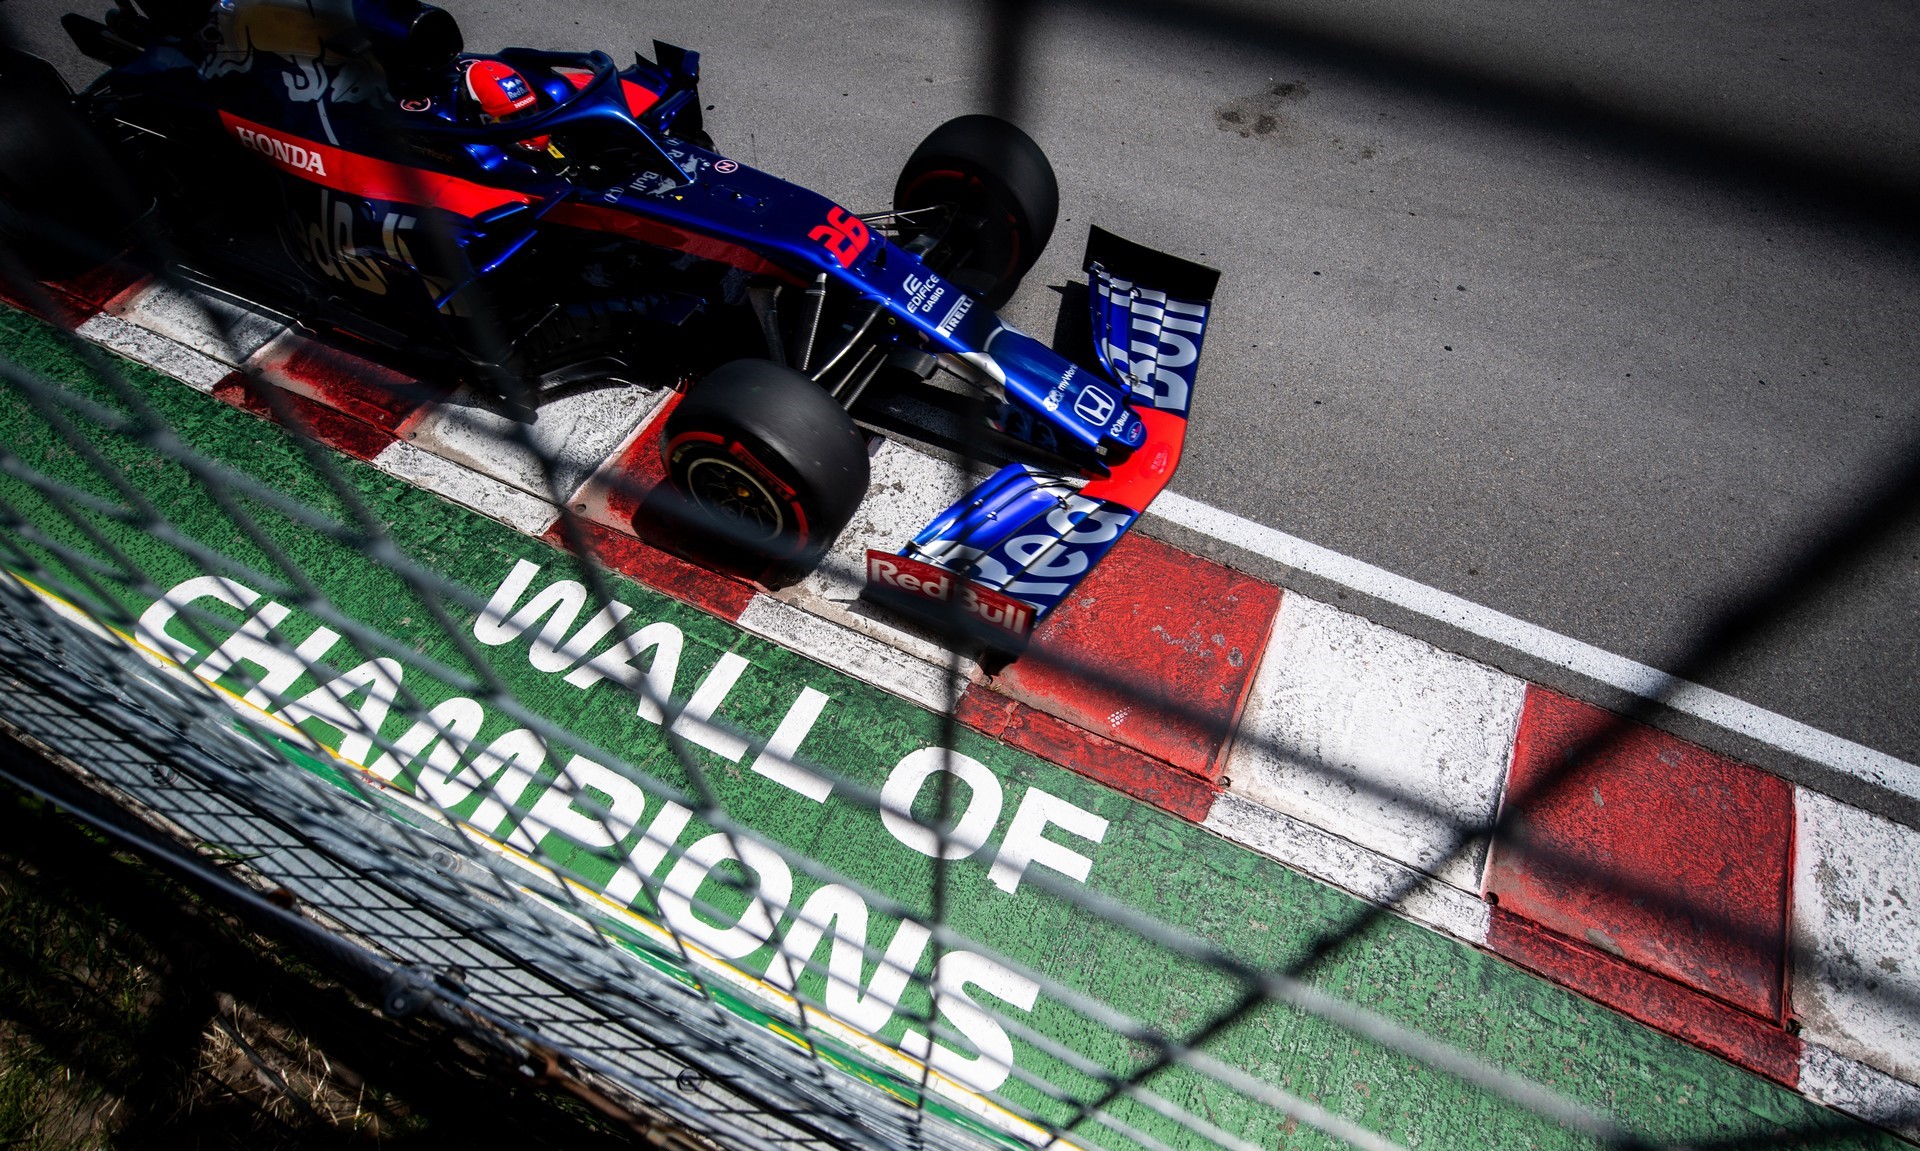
(737,497)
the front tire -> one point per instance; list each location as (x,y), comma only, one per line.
(767,460)
(999,200)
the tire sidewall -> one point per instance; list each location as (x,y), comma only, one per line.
(1003,174)
(783,432)
(689,453)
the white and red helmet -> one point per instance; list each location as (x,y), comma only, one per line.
(497,92)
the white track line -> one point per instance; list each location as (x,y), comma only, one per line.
(1734,715)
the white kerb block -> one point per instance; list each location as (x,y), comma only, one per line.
(1376,737)
(1856,934)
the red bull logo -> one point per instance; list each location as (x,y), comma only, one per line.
(992,608)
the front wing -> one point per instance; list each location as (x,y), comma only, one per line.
(995,563)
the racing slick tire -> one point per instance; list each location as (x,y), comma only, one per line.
(1003,194)
(771,463)
(65,205)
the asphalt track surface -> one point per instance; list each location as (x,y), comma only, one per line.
(1594,316)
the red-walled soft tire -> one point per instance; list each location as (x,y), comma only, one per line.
(770,463)
(994,177)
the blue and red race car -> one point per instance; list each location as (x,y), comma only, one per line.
(534,223)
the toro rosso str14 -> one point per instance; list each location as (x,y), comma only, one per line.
(533,223)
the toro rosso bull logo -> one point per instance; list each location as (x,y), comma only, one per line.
(283,152)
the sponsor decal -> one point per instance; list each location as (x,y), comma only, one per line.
(1163,343)
(954,315)
(844,235)
(328,242)
(416,104)
(284,152)
(937,585)
(924,293)
(725,166)
(1094,405)
(1043,558)
(365,176)
(1058,395)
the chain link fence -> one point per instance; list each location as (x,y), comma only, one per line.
(591,875)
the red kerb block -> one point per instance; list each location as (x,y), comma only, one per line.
(1654,850)
(369,392)
(72,301)
(1155,649)
(642,562)
(1660,1003)
(1056,741)
(640,470)
(360,440)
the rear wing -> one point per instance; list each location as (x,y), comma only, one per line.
(1014,548)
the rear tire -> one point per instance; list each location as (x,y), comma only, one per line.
(1001,194)
(770,462)
(65,205)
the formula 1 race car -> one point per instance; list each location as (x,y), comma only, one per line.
(532,223)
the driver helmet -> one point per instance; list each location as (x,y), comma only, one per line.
(497,92)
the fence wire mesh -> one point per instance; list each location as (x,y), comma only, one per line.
(498,781)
